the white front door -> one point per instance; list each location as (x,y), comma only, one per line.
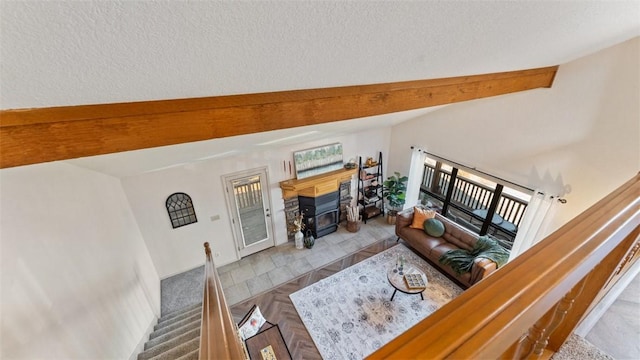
(250,210)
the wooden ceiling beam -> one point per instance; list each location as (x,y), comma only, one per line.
(29,136)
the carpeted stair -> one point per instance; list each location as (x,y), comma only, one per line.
(176,336)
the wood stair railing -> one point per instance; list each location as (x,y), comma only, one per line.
(528,308)
(218,336)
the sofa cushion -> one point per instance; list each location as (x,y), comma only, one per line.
(439,250)
(434,227)
(419,216)
(422,242)
(459,236)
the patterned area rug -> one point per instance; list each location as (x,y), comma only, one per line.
(349,314)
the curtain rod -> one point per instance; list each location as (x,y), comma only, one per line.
(474,169)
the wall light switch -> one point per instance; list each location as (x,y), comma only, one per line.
(215,217)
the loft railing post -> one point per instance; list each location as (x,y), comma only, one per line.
(538,336)
(558,315)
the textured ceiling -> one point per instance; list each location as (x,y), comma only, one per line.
(71,53)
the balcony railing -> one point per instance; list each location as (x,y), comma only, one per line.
(472,195)
(249,195)
(468,196)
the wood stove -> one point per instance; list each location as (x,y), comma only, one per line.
(321,213)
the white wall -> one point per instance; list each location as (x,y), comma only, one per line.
(579,139)
(176,250)
(77,280)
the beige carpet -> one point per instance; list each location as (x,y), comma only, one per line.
(579,348)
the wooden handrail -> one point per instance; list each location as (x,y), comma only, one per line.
(218,333)
(529,307)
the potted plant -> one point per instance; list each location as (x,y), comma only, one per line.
(297,226)
(394,191)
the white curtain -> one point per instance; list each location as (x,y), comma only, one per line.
(416,168)
(533,226)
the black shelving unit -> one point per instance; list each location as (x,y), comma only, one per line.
(370,198)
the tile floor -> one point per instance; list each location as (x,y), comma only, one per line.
(261,271)
(617,331)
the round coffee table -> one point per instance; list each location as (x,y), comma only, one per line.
(399,284)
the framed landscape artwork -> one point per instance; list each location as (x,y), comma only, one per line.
(318,160)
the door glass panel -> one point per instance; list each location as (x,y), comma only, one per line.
(248,197)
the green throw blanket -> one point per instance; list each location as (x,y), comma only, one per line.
(461,260)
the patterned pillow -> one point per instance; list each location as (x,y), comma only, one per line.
(251,324)
(434,227)
(419,216)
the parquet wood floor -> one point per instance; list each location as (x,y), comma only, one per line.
(276,306)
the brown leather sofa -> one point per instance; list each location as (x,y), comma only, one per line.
(455,237)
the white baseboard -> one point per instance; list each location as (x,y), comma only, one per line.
(596,313)
(140,347)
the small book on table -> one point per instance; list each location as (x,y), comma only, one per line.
(414,281)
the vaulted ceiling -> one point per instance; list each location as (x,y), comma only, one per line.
(74,53)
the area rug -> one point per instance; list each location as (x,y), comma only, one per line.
(349,315)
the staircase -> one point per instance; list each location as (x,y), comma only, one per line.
(176,336)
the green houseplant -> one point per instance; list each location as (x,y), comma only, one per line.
(394,191)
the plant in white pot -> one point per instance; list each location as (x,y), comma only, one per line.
(394,190)
(297,226)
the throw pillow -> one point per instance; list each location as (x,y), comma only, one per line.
(251,324)
(434,227)
(419,216)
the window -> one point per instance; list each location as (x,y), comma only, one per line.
(180,208)
(478,201)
